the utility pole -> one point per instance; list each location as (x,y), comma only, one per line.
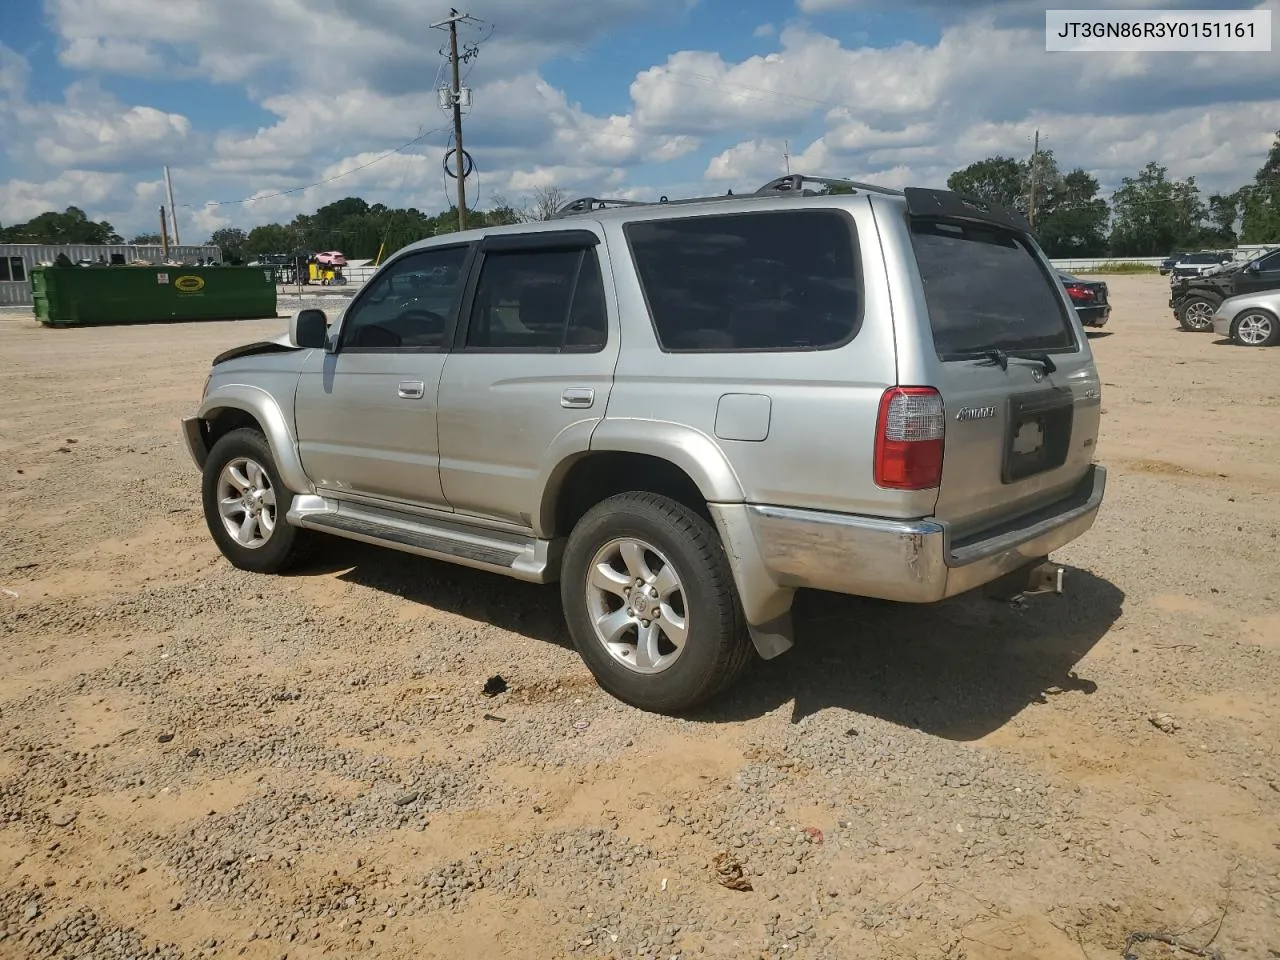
(1035,163)
(786,155)
(173,211)
(456,96)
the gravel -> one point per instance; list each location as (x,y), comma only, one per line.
(197,761)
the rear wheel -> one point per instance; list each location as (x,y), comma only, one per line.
(245,504)
(1256,328)
(650,602)
(1195,314)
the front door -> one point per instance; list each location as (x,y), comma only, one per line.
(366,413)
(530,373)
(1263,275)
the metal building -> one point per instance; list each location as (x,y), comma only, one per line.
(17,259)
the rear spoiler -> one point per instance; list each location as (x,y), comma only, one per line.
(949,205)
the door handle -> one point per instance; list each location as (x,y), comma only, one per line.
(578,398)
(411,389)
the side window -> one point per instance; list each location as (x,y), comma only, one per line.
(407,305)
(13,268)
(538,300)
(773,281)
(1270,263)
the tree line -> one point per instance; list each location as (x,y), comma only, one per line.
(1148,215)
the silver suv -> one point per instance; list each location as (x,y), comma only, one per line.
(683,412)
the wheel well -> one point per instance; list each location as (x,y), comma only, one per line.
(221,422)
(599,476)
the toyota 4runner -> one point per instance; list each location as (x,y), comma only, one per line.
(682,412)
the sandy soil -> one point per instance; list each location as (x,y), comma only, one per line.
(197,761)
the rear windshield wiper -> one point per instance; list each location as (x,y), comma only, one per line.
(996,356)
(1001,358)
(1042,358)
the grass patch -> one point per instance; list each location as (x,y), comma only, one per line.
(1121,267)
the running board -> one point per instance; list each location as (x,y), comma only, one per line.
(524,558)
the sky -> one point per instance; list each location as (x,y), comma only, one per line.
(253,102)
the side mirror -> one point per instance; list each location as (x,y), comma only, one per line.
(309,328)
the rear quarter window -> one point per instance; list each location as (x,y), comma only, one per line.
(769,281)
(986,290)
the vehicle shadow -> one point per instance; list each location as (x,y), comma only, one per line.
(529,609)
(1099,334)
(958,669)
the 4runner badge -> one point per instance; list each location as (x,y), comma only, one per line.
(975,413)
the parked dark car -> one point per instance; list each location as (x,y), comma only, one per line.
(1195,299)
(1166,265)
(1089,297)
(1194,264)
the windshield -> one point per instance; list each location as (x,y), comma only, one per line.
(986,290)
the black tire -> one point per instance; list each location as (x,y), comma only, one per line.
(1198,321)
(716,649)
(286,544)
(1260,317)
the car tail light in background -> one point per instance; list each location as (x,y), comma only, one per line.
(1079,292)
(909,434)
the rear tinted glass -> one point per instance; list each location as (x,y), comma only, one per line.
(986,290)
(781,280)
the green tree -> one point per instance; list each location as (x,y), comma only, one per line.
(231,241)
(145,239)
(270,238)
(70,226)
(996,180)
(1155,215)
(1261,201)
(1075,223)
(1224,209)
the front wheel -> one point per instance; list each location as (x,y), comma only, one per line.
(1195,314)
(651,605)
(245,504)
(1256,328)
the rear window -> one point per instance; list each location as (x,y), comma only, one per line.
(778,280)
(986,290)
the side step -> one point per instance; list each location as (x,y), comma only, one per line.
(524,558)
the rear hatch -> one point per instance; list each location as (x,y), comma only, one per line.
(1019,389)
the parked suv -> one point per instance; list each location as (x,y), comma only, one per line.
(683,412)
(1195,299)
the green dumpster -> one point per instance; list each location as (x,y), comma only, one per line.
(64,296)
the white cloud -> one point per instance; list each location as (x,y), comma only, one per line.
(22,199)
(343,88)
(111,55)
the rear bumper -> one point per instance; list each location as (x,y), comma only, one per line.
(913,561)
(1095,316)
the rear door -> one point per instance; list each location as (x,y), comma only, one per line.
(1003,346)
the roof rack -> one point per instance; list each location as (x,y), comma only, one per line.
(587,204)
(794,183)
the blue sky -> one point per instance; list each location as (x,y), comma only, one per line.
(248,98)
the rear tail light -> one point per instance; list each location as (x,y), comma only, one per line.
(909,434)
(1077,292)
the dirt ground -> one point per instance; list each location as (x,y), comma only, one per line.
(196,761)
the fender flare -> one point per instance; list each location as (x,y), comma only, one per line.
(688,449)
(264,408)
